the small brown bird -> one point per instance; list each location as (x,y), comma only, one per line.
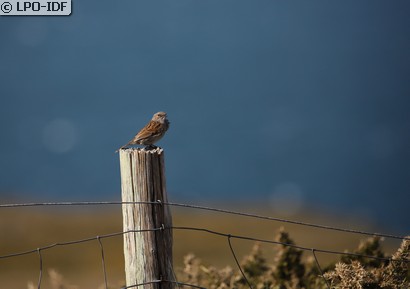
(152,132)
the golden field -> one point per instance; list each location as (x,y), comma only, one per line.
(80,266)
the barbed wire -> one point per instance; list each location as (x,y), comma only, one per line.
(218,210)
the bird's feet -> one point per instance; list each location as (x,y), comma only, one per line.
(150,147)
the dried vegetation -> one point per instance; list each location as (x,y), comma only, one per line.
(289,271)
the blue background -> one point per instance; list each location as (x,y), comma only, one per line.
(305,103)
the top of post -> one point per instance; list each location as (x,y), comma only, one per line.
(156,150)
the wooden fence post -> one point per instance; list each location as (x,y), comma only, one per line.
(148,255)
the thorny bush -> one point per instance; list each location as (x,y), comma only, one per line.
(289,271)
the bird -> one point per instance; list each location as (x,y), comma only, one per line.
(152,132)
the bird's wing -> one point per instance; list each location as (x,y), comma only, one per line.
(151,129)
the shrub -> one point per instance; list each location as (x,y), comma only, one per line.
(288,271)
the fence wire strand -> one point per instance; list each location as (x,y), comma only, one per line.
(224,211)
(76,242)
(142,284)
(160,281)
(288,245)
(320,269)
(40,275)
(237,262)
(103,262)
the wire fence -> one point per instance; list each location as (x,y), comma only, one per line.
(229,237)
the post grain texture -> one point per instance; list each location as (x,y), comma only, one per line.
(148,254)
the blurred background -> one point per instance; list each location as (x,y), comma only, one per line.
(296,104)
(294,109)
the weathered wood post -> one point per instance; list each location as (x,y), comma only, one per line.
(148,254)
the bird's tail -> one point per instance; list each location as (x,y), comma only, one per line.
(131,142)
